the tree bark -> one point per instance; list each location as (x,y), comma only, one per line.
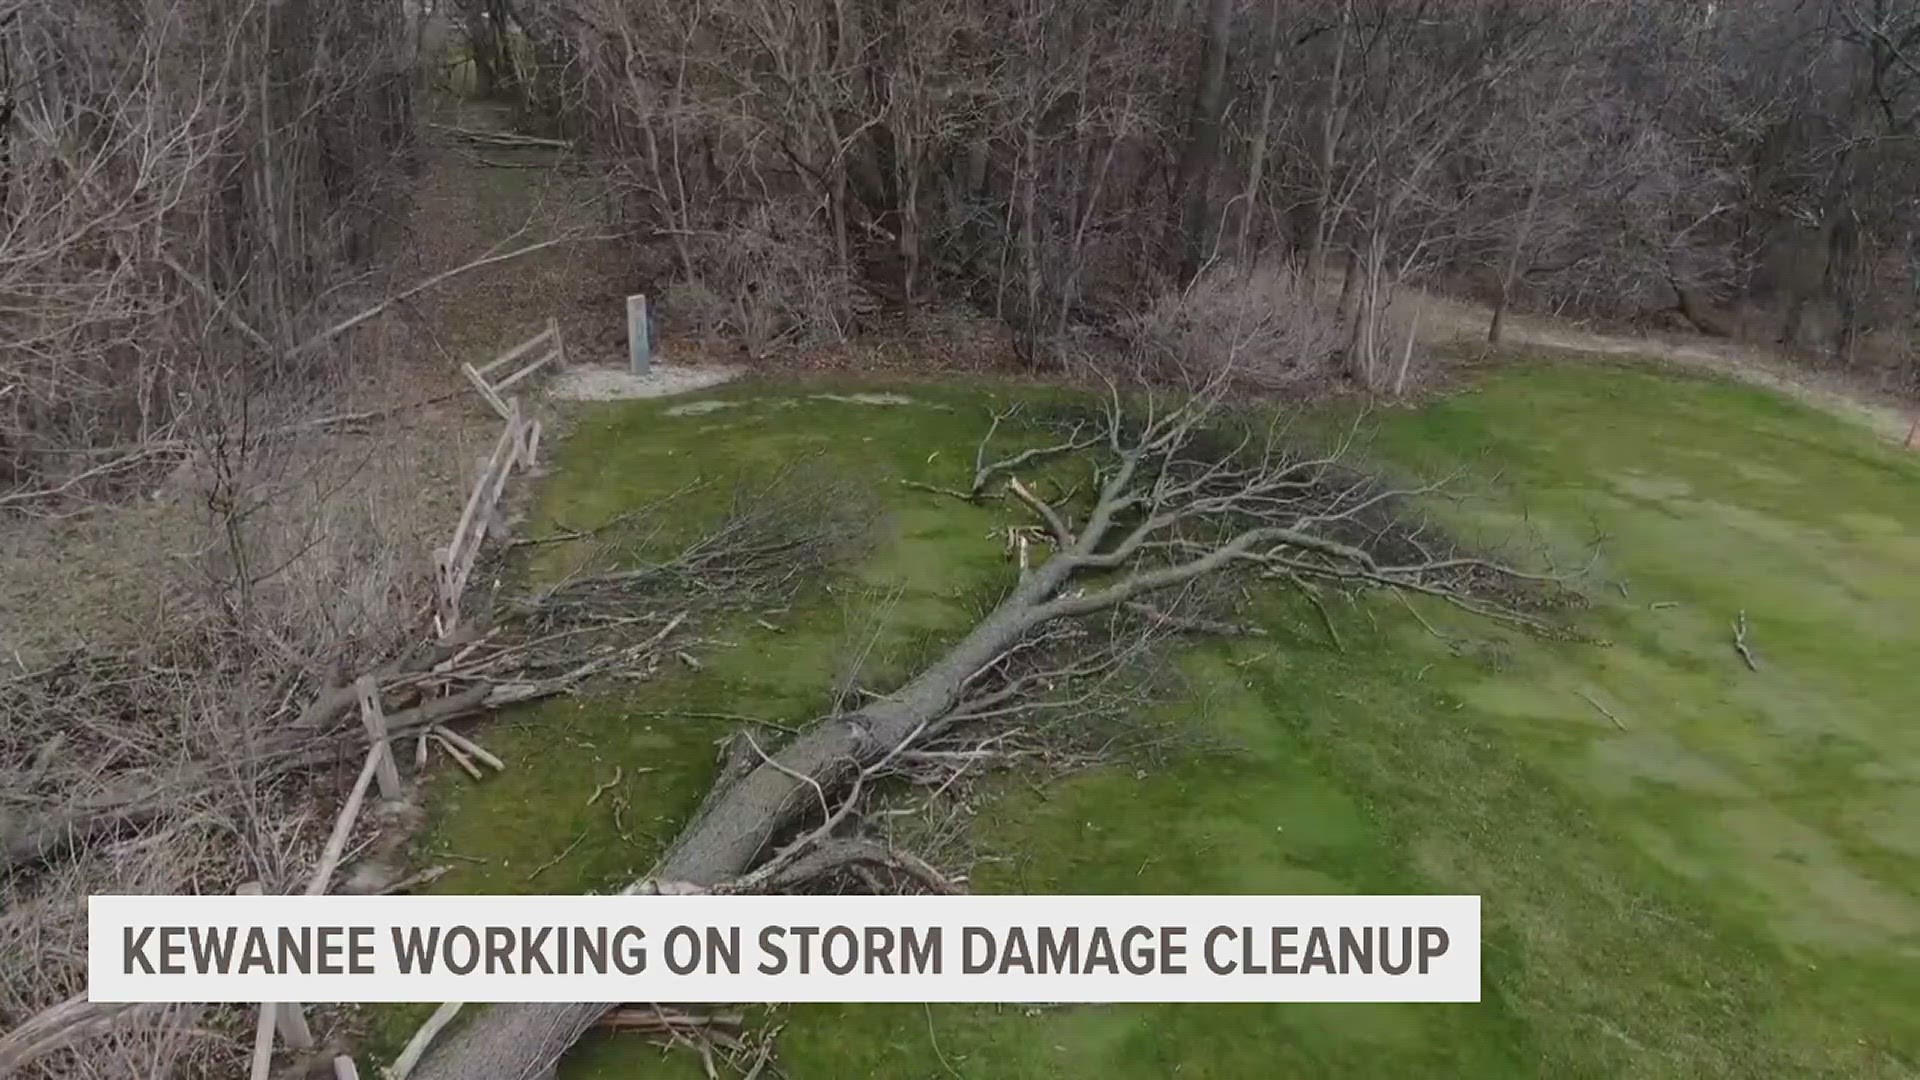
(521,1041)
(1319,229)
(1257,152)
(1198,160)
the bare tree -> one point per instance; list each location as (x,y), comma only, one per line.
(1198,158)
(1025,155)
(170,220)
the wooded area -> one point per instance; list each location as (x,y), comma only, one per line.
(1080,171)
(1062,164)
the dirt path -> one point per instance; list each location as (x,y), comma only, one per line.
(1449,321)
(472,199)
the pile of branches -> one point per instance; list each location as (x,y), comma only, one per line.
(1176,508)
(721,1039)
(181,769)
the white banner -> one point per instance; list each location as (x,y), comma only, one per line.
(736,949)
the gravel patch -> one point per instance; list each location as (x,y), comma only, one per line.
(613,384)
(703,407)
(867,399)
(711,405)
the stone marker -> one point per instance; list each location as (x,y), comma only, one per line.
(639,335)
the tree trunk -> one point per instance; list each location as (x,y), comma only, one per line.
(1030,242)
(1318,228)
(506,77)
(1497,326)
(1363,340)
(480,44)
(1515,252)
(1342,308)
(1698,311)
(522,1041)
(1843,282)
(974,176)
(1790,323)
(1198,159)
(1257,152)
(1076,251)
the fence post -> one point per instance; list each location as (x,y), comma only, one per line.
(639,335)
(269,1011)
(293,1026)
(446,591)
(385,772)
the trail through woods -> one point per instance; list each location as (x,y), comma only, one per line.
(471,199)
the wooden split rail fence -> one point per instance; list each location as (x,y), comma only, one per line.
(518,445)
(545,348)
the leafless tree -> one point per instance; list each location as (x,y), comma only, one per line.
(168,225)
(188,193)
(1064,164)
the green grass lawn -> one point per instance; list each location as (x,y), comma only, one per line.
(1724,882)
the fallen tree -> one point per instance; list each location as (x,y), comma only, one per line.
(1174,501)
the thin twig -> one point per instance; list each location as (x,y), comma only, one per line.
(935,1040)
(1604,711)
(352,321)
(1740,641)
(618,772)
(556,859)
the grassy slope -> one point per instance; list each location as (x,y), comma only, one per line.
(1727,887)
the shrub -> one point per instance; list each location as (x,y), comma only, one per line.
(1259,321)
(771,279)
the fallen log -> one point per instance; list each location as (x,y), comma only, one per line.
(45,837)
(522,1041)
(502,138)
(69,1022)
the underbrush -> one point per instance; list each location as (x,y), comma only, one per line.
(160,650)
